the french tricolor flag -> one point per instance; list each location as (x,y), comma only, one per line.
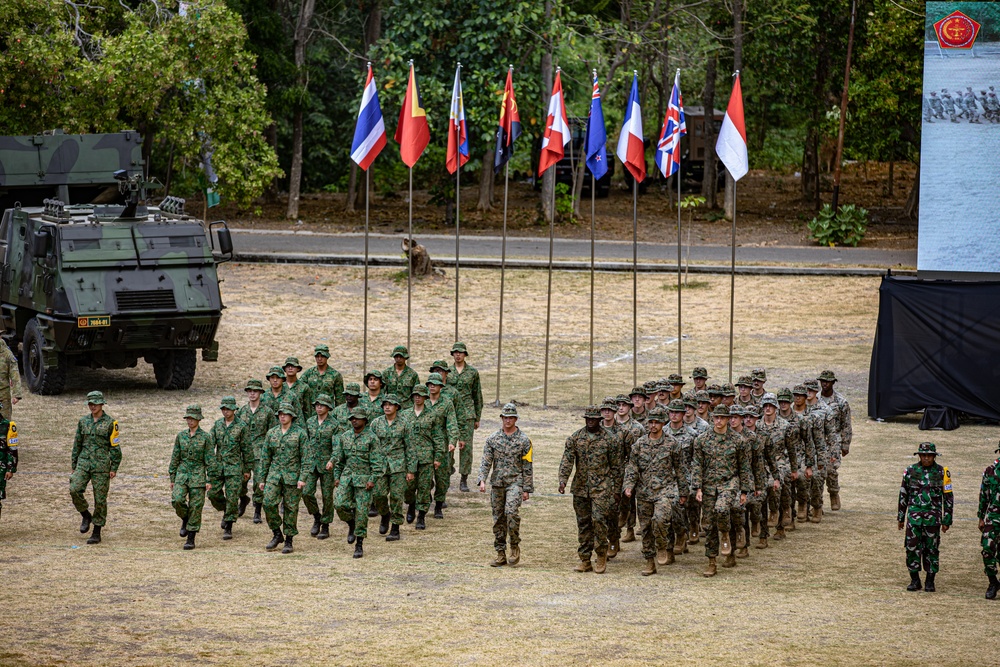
(732,144)
(631,151)
(369,133)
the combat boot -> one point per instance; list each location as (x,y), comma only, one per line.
(393,535)
(500,560)
(95,537)
(438,506)
(411,512)
(816,515)
(929,583)
(614,547)
(256,513)
(463,484)
(729,561)
(779,533)
(584,566)
(383,526)
(802,512)
(755,527)
(725,548)
(314,531)
(834,502)
(359,549)
(762,544)
(693,534)
(372,512)
(515,555)
(222,524)
(227,532)
(741,537)
(650,567)
(189,545)
(772,519)
(743,552)
(184,528)
(276,539)
(991,592)
(288,545)
(324,531)
(601,564)
(788,524)
(786,520)
(914,581)
(710,570)
(85,522)
(664,557)
(350,532)
(629,536)
(244,501)
(680,544)
(421,520)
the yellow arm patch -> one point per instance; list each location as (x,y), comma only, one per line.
(12,436)
(114,433)
(527,457)
(947,481)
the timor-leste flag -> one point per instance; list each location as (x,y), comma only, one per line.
(510,125)
(412,133)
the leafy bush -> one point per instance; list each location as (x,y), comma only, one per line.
(846,228)
(564,202)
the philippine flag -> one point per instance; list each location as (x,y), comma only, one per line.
(458,138)
(732,144)
(369,133)
(631,151)
(556,129)
(668,150)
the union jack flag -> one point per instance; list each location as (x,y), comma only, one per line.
(668,149)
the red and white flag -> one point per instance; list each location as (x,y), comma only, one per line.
(557,133)
(732,144)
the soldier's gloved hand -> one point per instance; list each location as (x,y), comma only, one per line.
(562,487)
(369,486)
(482,487)
(301,484)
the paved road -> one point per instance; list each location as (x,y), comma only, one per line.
(442,247)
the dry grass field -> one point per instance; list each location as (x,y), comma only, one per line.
(832,594)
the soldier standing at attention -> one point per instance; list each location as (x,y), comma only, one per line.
(192,466)
(656,476)
(465,379)
(234,452)
(925,508)
(8,456)
(284,462)
(298,391)
(728,395)
(700,377)
(275,396)
(650,389)
(704,409)
(508,453)
(399,378)
(374,394)
(596,455)
(842,421)
(355,462)
(989,524)
(322,428)
(259,420)
(392,434)
(322,379)
(96,457)
(10,382)
(426,452)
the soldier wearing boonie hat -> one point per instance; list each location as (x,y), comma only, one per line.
(638,398)
(233,449)
(276,392)
(728,394)
(392,432)
(321,427)
(192,468)
(841,411)
(447,415)
(828,448)
(700,377)
(373,393)
(283,465)
(629,430)
(759,377)
(676,386)
(95,460)
(926,505)
(356,461)
(298,391)
(352,399)
(508,453)
(743,386)
(259,419)
(465,379)
(427,452)
(684,435)
(323,378)
(400,378)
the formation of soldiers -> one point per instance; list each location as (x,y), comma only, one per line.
(968,105)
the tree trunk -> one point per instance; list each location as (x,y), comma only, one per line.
(709,182)
(299,40)
(373,31)
(730,205)
(352,189)
(486,183)
(271,136)
(549,177)
(891,165)
(911,208)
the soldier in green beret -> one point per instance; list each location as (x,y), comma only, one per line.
(323,378)
(508,452)
(276,392)
(322,428)
(235,460)
(355,461)
(926,504)
(193,465)
(259,419)
(8,455)
(96,457)
(400,379)
(298,392)
(284,462)
(465,379)
(426,452)
(392,433)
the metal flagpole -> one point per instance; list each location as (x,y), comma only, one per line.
(679,337)
(364,353)
(732,289)
(458,187)
(503,271)
(548,299)
(635,281)
(593,189)
(409,267)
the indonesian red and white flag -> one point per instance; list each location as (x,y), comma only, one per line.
(732,144)
(557,133)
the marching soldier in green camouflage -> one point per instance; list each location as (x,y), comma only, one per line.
(193,465)
(691,418)
(10,382)
(426,452)
(741,512)
(284,462)
(322,427)
(234,461)
(989,524)
(596,454)
(355,462)
(399,378)
(373,394)
(461,414)
(259,420)
(393,434)
(276,392)
(508,453)
(95,460)
(465,379)
(324,379)
(352,399)
(656,475)
(719,474)
(676,387)
(704,409)
(447,422)
(8,456)
(684,436)
(842,424)
(926,503)
(781,441)
(770,482)
(298,392)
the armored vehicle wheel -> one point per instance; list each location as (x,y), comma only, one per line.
(40,380)
(176,369)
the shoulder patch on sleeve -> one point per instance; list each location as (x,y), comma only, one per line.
(531,449)
(12,436)
(114,433)
(947,481)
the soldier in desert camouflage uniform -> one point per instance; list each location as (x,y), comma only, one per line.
(925,509)
(508,453)
(10,382)
(842,424)
(684,436)
(989,524)
(631,429)
(826,417)
(781,438)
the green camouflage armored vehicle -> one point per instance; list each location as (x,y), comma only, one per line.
(95,276)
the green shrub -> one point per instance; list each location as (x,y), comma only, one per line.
(564,202)
(847,228)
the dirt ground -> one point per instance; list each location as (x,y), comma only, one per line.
(770,211)
(830,594)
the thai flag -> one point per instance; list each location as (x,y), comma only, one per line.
(631,151)
(668,150)
(458,137)
(369,133)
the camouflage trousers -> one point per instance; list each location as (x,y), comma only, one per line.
(388,494)
(325,481)
(225,495)
(188,502)
(466,431)
(252,486)
(506,504)
(922,543)
(657,523)
(442,477)
(626,513)
(418,492)
(101,484)
(614,519)
(352,503)
(818,480)
(717,514)
(593,516)
(3,490)
(758,509)
(833,472)
(990,542)
(780,503)
(278,493)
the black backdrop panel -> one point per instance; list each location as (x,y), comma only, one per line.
(937,343)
